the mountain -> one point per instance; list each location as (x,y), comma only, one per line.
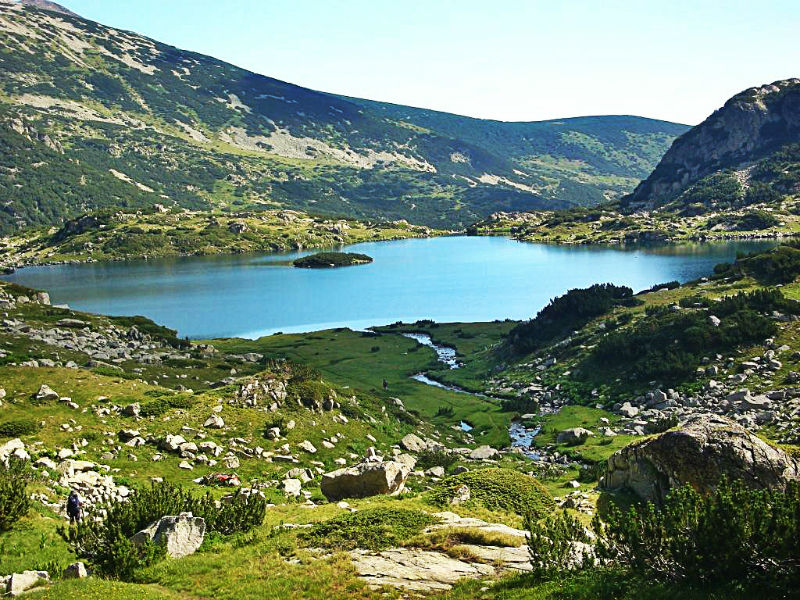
(93,117)
(744,153)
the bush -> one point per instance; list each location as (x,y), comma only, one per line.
(734,534)
(159,406)
(552,542)
(372,528)
(497,489)
(106,542)
(18,427)
(14,500)
(781,265)
(565,314)
(669,345)
(436,458)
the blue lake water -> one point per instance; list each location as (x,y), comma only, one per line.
(444,279)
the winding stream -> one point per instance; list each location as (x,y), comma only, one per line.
(521,436)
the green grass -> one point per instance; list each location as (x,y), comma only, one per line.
(595,448)
(347,358)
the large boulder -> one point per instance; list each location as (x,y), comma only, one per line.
(699,454)
(18,583)
(365,479)
(413,443)
(574,436)
(182,534)
(13,449)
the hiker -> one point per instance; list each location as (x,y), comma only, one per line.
(385,385)
(74,507)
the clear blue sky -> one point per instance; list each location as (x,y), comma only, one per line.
(503,59)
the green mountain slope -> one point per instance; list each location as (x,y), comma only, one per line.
(736,175)
(744,153)
(92,117)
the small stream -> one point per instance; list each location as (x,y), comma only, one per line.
(521,436)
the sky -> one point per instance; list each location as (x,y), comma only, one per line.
(512,60)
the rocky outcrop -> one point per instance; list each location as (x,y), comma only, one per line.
(368,478)
(182,534)
(751,124)
(700,453)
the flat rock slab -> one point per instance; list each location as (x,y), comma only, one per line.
(414,570)
(451,519)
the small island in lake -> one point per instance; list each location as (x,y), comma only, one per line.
(327,260)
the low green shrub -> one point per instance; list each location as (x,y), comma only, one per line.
(734,534)
(436,458)
(372,528)
(14,499)
(497,489)
(159,406)
(668,345)
(18,427)
(552,542)
(106,542)
(567,313)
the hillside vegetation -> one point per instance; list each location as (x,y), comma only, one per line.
(122,235)
(736,175)
(110,119)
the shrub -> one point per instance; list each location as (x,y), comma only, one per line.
(552,542)
(436,458)
(161,405)
(106,542)
(669,345)
(567,313)
(14,500)
(497,489)
(372,528)
(734,534)
(18,427)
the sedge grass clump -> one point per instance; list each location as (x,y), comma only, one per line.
(497,489)
(373,529)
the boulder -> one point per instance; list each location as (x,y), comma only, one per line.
(365,479)
(18,583)
(701,452)
(13,449)
(461,495)
(214,422)
(76,570)
(181,534)
(307,446)
(132,410)
(435,472)
(173,442)
(573,436)
(484,453)
(47,394)
(413,443)
(292,487)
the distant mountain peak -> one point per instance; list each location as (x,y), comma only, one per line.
(48,5)
(750,125)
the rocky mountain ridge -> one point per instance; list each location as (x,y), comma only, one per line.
(751,125)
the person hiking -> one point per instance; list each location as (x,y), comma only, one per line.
(385,385)
(74,507)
